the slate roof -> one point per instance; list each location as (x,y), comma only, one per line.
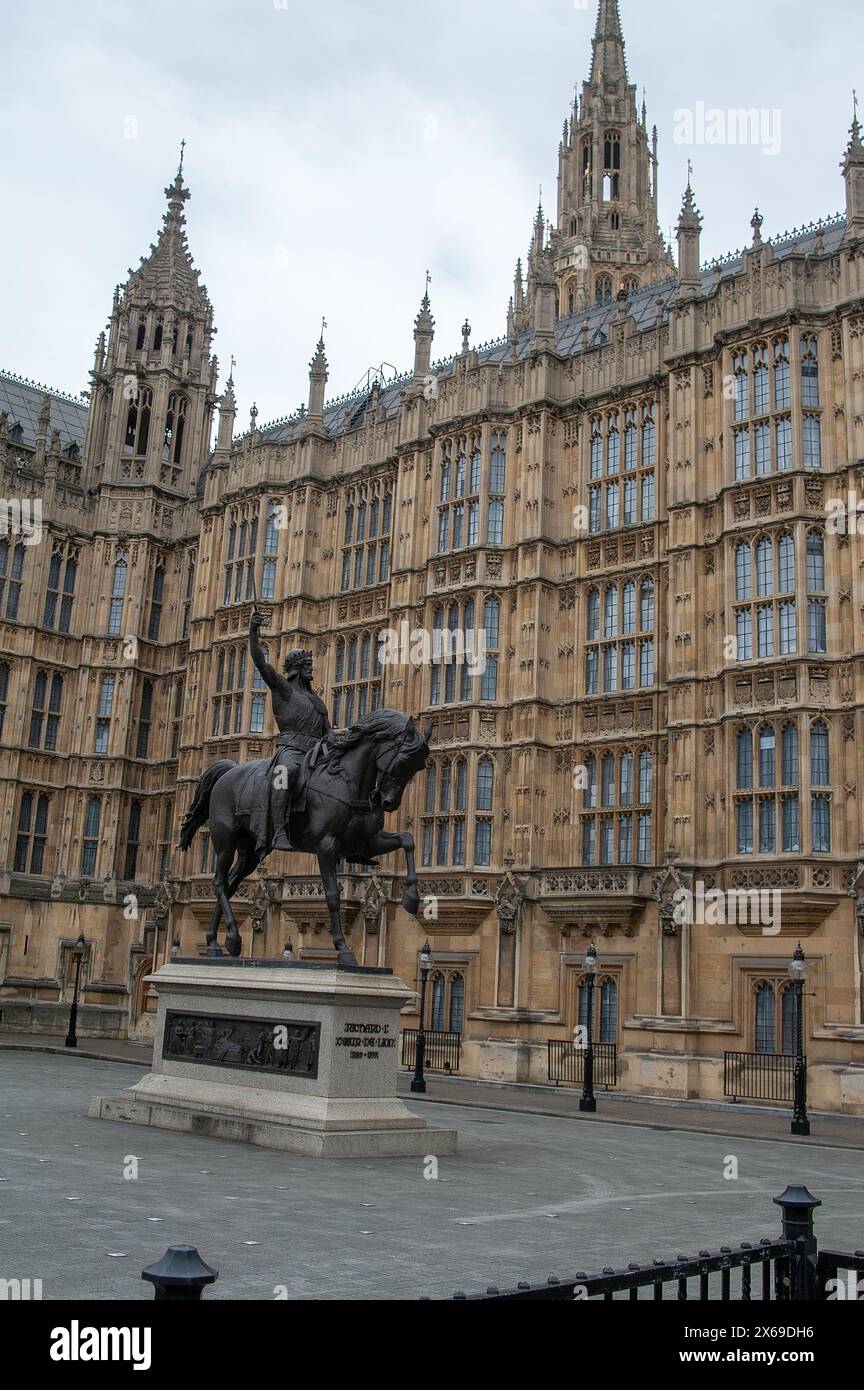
(648,307)
(23,401)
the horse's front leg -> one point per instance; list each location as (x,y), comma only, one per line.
(327,861)
(387,842)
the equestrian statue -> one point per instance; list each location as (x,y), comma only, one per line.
(322,793)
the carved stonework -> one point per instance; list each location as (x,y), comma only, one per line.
(220,1040)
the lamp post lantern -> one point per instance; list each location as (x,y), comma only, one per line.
(175,948)
(587,1100)
(798,974)
(418,1081)
(288,952)
(78,956)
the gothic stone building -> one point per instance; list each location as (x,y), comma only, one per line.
(627,494)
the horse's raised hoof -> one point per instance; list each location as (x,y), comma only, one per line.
(411,901)
(346,956)
(234,943)
(213,949)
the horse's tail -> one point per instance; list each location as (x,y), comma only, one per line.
(198,812)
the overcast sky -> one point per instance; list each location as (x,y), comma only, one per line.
(336,148)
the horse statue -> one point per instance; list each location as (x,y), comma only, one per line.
(349,782)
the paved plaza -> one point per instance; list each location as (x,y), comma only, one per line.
(527,1196)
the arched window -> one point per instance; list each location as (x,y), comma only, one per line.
(745,760)
(815,563)
(820,766)
(646,623)
(603,289)
(593,615)
(626,778)
(118,594)
(645,777)
(809,372)
(789,770)
(4,692)
(764,568)
(175,424)
(145,716)
(438,1002)
(461,798)
(786,563)
(610,612)
(608,1011)
(630,284)
(589,794)
(444,792)
(820,776)
(429,802)
(492,630)
(743,572)
(457,1002)
(32,833)
(156,604)
(607,780)
(767,757)
(765,1029)
(485,784)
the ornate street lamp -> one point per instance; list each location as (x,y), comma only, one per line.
(175,948)
(418,1081)
(78,956)
(798,974)
(288,952)
(587,1100)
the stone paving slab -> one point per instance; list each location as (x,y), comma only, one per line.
(742,1121)
(526,1196)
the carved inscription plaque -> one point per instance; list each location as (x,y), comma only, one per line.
(253,1044)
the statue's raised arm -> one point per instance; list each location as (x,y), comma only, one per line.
(259,655)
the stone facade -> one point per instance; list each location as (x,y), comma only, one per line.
(629,494)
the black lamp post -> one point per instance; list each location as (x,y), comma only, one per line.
(798,974)
(288,952)
(175,948)
(587,1100)
(78,956)
(418,1081)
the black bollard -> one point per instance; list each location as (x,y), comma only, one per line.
(181,1274)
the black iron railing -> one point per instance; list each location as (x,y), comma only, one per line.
(790,1269)
(759,1075)
(566,1063)
(442,1052)
(760,1273)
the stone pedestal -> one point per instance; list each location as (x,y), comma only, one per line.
(285,1054)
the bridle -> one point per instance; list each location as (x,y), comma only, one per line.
(373,801)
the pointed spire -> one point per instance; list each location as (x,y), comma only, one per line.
(518,286)
(424,332)
(317,381)
(853,174)
(227,416)
(609,62)
(756,223)
(168,270)
(688,234)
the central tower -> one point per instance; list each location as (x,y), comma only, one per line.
(607,236)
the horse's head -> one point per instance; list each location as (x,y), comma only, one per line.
(398,760)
